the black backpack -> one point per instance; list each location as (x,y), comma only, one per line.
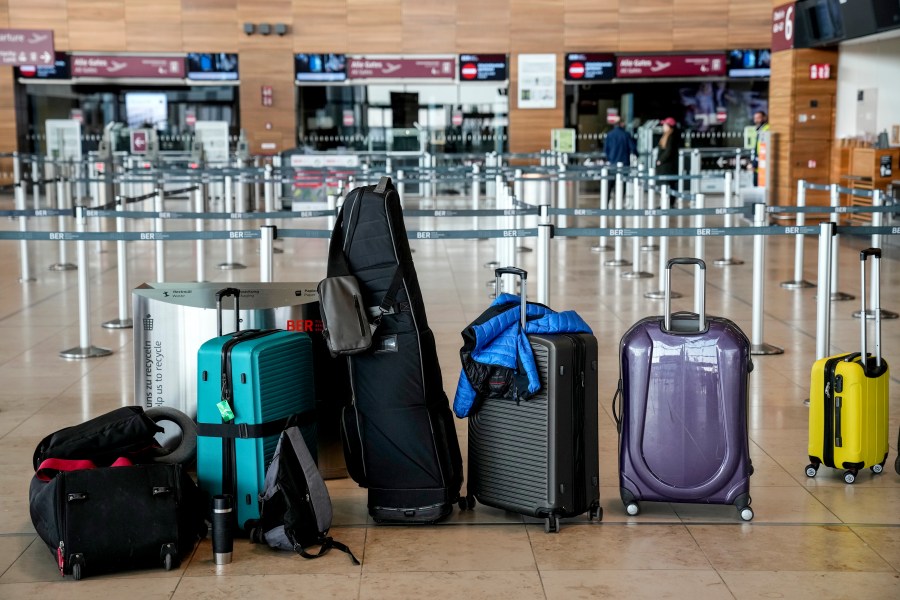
(295,508)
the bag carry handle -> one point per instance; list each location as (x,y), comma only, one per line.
(876,303)
(44,471)
(522,274)
(224,293)
(667,305)
(617,414)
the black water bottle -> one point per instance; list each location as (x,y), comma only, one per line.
(222,535)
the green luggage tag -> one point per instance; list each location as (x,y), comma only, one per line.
(225,411)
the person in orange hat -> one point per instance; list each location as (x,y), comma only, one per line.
(669,143)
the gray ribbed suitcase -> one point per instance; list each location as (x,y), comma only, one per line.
(539,457)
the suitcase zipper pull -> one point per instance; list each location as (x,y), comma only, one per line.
(61,558)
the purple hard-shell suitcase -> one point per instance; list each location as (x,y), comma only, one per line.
(683,422)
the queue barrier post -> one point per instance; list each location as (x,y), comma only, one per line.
(728,259)
(823,300)
(19,186)
(199,244)
(757,345)
(84,349)
(665,203)
(230,263)
(266,253)
(63,263)
(602,246)
(798,282)
(619,259)
(835,295)
(159,227)
(651,245)
(124,321)
(545,232)
(878,202)
(637,204)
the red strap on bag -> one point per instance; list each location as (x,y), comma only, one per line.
(51,466)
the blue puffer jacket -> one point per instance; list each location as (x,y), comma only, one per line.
(495,339)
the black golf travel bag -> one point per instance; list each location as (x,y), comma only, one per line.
(398,432)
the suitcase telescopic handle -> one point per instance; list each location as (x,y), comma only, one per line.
(224,293)
(522,274)
(667,287)
(876,303)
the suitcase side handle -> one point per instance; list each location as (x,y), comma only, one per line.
(522,274)
(876,305)
(616,401)
(224,293)
(667,287)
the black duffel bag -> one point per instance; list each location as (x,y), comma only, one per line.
(97,520)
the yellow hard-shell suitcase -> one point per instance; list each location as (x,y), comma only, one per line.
(848,401)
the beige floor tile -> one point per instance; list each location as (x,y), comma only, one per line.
(831,585)
(753,547)
(616,546)
(859,503)
(587,585)
(462,548)
(883,540)
(452,585)
(339,586)
(90,589)
(259,559)
(769,504)
(11,548)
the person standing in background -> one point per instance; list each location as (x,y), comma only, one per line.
(669,143)
(761,120)
(619,144)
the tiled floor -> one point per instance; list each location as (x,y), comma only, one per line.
(810,538)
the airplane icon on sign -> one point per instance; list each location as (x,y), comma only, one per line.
(37,38)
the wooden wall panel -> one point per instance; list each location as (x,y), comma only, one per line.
(483,26)
(42,14)
(4,13)
(268,124)
(698,26)
(97,25)
(153,26)
(536,26)
(529,129)
(320,26)
(375,26)
(210,25)
(645,25)
(750,23)
(591,25)
(428,26)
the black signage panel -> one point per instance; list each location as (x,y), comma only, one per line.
(590,67)
(60,69)
(749,63)
(483,67)
(320,67)
(212,66)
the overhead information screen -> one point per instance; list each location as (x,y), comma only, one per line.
(590,67)
(483,67)
(320,67)
(208,66)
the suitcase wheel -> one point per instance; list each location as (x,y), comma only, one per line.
(632,509)
(747,514)
(169,556)
(850,476)
(811,470)
(77,566)
(596,512)
(551,524)
(466,503)
(877,469)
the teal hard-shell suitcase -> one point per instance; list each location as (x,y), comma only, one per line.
(264,377)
